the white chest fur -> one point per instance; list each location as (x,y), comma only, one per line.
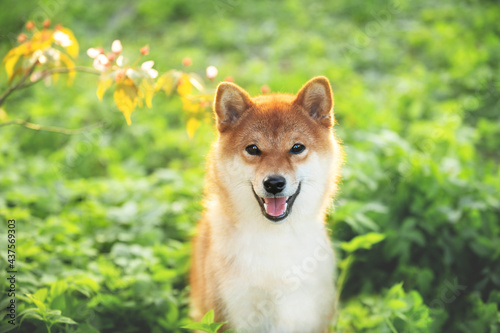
(279,277)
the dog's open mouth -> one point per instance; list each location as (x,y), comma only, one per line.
(276,209)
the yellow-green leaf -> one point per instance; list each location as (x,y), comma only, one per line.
(18,70)
(11,59)
(365,241)
(39,304)
(68,64)
(208,318)
(3,115)
(103,85)
(40,41)
(185,86)
(396,304)
(147,91)
(126,98)
(191,106)
(192,125)
(168,81)
(41,294)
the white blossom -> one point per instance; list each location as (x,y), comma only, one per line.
(62,39)
(148,67)
(212,72)
(93,53)
(119,61)
(101,62)
(116,47)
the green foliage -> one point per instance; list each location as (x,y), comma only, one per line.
(393,311)
(104,218)
(207,324)
(362,242)
(365,242)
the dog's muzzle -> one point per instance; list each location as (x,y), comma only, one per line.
(276,207)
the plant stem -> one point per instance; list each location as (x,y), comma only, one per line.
(18,85)
(137,60)
(54,129)
(60,70)
(23,84)
(346,265)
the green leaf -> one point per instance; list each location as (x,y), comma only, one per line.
(208,318)
(396,304)
(7,328)
(84,285)
(57,288)
(41,294)
(214,327)
(365,241)
(207,324)
(30,313)
(58,302)
(173,314)
(87,328)
(197,326)
(396,290)
(53,313)
(37,302)
(66,320)
(27,311)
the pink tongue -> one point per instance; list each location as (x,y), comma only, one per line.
(275,206)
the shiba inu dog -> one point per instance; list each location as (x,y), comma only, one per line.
(262,258)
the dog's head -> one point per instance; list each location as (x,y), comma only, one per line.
(276,152)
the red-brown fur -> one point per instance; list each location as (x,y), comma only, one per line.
(275,122)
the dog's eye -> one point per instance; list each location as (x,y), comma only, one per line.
(297,148)
(253,150)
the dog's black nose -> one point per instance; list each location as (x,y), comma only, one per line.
(274,184)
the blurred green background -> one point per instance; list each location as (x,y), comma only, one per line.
(104,218)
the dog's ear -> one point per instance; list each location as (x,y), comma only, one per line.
(230,103)
(316,98)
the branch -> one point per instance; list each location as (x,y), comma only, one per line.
(49,72)
(54,129)
(18,85)
(23,84)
